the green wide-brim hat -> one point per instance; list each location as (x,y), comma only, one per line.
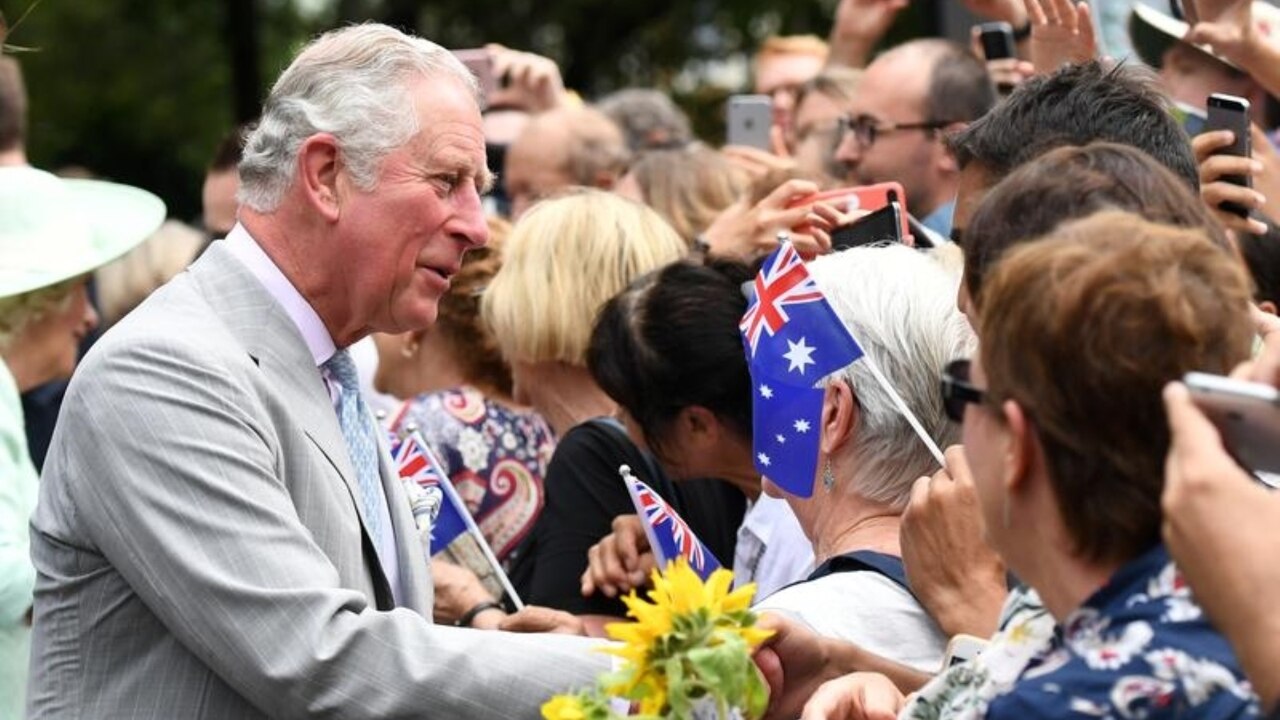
(52,229)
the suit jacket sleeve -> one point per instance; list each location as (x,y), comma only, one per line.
(169,465)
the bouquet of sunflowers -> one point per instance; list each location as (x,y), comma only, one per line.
(686,655)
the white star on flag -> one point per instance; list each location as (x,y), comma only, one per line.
(802,426)
(799,354)
(764,459)
(781,440)
(766,392)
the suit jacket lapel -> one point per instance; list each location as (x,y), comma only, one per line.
(276,346)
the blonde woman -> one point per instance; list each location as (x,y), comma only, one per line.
(53,233)
(565,259)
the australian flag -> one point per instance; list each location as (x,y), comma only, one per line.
(793,339)
(669,535)
(431,497)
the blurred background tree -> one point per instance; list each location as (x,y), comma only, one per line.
(141,91)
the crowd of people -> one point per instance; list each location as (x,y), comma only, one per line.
(205,521)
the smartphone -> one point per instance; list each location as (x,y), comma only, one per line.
(963,648)
(997,40)
(1246,413)
(480,63)
(861,197)
(882,226)
(748,121)
(1228,112)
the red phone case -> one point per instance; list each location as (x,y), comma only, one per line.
(862,197)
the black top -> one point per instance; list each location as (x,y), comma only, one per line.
(584,493)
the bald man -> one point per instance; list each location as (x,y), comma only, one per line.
(563,148)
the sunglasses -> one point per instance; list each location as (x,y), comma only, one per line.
(958,391)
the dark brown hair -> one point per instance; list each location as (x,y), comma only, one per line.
(1083,329)
(1071,183)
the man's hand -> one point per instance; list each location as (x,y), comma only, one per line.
(1220,528)
(534,619)
(1061,33)
(794,662)
(860,696)
(525,80)
(621,561)
(859,25)
(1214,190)
(457,590)
(746,231)
(958,578)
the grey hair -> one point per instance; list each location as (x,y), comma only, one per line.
(900,306)
(648,118)
(354,84)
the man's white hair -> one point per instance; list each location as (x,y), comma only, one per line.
(900,305)
(354,84)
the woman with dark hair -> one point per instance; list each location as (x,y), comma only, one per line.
(668,351)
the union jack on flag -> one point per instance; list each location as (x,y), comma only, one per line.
(793,339)
(669,535)
(781,282)
(412,463)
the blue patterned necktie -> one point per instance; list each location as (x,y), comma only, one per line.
(357,431)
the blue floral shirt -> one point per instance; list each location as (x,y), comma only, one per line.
(1138,648)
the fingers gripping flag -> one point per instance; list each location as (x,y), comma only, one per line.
(793,339)
(669,535)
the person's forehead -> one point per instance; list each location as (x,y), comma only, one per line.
(817,107)
(893,83)
(778,69)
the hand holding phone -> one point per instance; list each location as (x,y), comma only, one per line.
(1246,413)
(1228,112)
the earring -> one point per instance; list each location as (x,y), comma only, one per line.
(409,349)
(828,476)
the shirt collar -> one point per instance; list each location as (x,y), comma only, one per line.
(245,249)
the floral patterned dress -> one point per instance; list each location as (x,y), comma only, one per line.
(1140,647)
(495,455)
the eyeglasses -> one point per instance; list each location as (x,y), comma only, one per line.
(866,129)
(958,391)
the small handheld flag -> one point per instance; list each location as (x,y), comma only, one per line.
(439,513)
(669,535)
(793,339)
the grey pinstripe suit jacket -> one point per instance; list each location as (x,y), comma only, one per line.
(200,552)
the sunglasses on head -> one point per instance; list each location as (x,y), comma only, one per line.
(958,391)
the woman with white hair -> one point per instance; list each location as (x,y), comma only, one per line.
(899,305)
(53,233)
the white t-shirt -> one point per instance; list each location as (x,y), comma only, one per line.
(772,550)
(868,609)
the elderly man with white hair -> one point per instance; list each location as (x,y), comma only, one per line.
(899,305)
(217,533)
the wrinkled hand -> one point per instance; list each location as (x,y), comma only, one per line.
(859,696)
(1061,33)
(958,578)
(1214,191)
(1010,11)
(1220,528)
(621,561)
(535,619)
(747,231)
(457,590)
(525,80)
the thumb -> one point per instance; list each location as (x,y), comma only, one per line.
(778,141)
(1207,34)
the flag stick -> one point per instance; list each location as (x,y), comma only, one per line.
(902,408)
(472,528)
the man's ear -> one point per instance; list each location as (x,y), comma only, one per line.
(840,415)
(319,161)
